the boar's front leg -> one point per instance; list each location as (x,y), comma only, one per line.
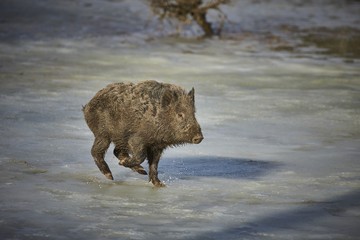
(154,155)
(98,152)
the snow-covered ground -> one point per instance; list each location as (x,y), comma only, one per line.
(280,158)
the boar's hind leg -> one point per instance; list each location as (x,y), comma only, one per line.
(154,158)
(98,152)
(123,156)
(138,151)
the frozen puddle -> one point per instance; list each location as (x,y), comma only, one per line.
(279,159)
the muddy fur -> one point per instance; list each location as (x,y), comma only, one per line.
(141,120)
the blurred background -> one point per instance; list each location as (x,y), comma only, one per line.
(277,95)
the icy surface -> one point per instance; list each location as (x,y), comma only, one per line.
(280,158)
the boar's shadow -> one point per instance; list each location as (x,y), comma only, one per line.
(210,166)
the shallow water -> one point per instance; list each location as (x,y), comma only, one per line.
(280,158)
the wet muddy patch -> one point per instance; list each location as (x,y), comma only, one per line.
(342,42)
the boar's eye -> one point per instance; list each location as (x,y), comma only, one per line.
(181,116)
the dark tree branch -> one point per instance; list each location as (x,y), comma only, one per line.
(184,10)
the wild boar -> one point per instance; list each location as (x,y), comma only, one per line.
(142,120)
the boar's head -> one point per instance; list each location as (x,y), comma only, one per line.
(181,116)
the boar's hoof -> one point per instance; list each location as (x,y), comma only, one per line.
(109,176)
(159,184)
(139,169)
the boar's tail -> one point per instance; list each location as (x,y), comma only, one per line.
(83,108)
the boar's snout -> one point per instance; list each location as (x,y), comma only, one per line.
(198,138)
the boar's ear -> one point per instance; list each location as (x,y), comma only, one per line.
(166,99)
(191,94)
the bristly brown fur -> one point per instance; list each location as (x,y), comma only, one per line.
(141,120)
